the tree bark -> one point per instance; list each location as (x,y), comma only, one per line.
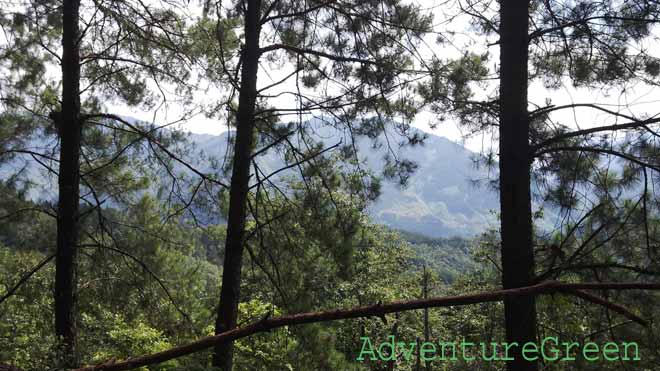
(243,148)
(70,129)
(515,200)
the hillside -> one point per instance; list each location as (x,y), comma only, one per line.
(441,198)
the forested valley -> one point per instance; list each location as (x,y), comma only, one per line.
(265,185)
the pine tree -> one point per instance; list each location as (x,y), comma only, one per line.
(245,124)
(515,194)
(588,45)
(70,130)
(361,55)
(97,61)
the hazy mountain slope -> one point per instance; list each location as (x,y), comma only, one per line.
(440,200)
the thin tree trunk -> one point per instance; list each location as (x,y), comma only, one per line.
(515,200)
(427,326)
(243,147)
(394,332)
(418,365)
(70,129)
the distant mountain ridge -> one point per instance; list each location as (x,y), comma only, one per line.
(440,199)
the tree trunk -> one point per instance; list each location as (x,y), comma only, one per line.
(515,200)
(427,327)
(243,148)
(70,129)
(394,332)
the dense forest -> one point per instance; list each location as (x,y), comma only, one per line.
(129,243)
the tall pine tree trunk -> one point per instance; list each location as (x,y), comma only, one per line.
(243,148)
(515,200)
(70,129)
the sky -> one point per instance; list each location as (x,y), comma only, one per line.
(637,100)
(268,75)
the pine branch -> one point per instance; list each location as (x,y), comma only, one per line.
(585,21)
(318,53)
(300,162)
(609,305)
(25,278)
(599,151)
(573,134)
(160,146)
(296,14)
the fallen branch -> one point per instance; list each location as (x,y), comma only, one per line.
(377,310)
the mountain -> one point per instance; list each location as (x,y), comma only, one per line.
(440,199)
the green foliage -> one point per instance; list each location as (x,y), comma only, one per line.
(449,258)
(136,315)
(272,351)
(124,339)
(26,337)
